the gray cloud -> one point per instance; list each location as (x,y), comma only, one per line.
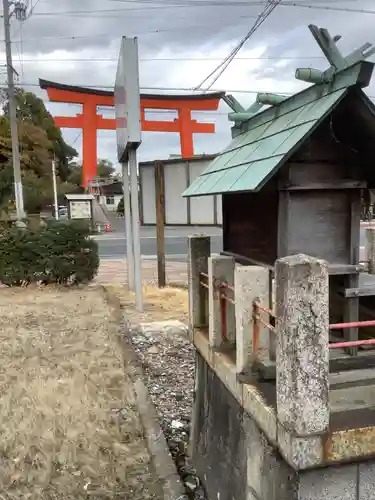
(183,32)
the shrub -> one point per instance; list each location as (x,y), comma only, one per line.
(120,207)
(59,253)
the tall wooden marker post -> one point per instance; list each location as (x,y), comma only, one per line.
(129,138)
(160,221)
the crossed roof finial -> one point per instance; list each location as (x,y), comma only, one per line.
(337,61)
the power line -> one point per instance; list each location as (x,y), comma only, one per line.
(160,30)
(76,139)
(288,3)
(219,70)
(285,3)
(171,89)
(103,12)
(173,59)
(33,8)
(156,31)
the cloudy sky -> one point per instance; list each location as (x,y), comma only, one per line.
(180,42)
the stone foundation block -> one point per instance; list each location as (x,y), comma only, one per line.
(300,452)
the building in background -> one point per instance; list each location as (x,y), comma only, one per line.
(178,174)
(111,195)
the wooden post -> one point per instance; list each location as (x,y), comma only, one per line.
(351,309)
(160,213)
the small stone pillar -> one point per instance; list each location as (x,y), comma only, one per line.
(220,269)
(250,282)
(370,249)
(199,250)
(302,355)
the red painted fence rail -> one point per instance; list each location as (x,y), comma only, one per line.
(221,288)
(259,311)
(258,320)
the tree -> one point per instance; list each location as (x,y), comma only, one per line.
(31,109)
(40,140)
(105,169)
(120,207)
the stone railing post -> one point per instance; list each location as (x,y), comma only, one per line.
(370,249)
(199,251)
(302,355)
(250,282)
(220,269)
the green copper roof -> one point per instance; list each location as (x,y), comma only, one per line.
(272,136)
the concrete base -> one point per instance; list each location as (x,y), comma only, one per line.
(236,461)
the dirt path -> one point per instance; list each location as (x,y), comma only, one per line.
(115,272)
(69,428)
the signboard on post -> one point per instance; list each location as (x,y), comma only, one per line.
(80,206)
(128,131)
(127,99)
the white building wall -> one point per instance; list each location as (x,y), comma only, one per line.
(175,179)
(178,175)
(147,182)
(107,201)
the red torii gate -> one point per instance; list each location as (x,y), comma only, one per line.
(89,121)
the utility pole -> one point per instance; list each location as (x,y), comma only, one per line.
(18,192)
(55,189)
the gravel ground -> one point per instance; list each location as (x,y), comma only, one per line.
(168,360)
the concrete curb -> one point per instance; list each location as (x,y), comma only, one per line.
(162,461)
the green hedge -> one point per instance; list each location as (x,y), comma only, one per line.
(60,253)
(120,207)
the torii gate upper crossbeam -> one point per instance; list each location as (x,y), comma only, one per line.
(89,121)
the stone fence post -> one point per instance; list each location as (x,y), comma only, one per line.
(302,355)
(370,249)
(250,282)
(199,251)
(221,269)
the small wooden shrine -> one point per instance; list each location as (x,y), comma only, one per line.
(292,178)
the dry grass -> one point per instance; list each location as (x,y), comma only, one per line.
(62,384)
(159,304)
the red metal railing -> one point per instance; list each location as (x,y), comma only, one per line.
(221,288)
(351,343)
(258,320)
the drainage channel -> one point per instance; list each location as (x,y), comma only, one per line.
(168,361)
(178,447)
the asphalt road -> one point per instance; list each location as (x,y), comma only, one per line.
(113,245)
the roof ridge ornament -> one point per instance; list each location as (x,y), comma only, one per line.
(270,99)
(337,61)
(240,114)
